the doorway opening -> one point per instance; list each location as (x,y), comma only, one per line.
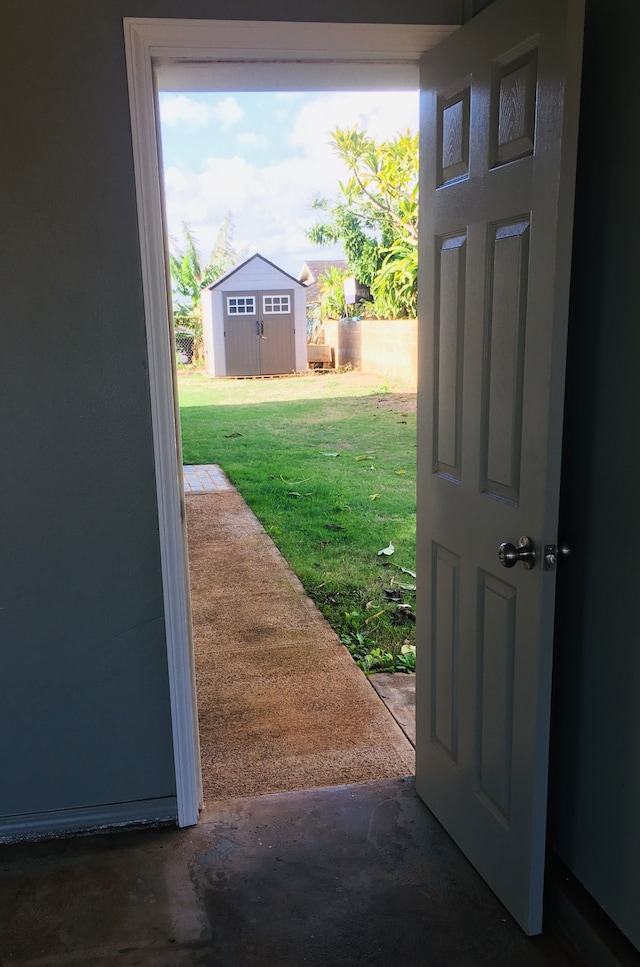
(279,707)
(213,55)
(498,97)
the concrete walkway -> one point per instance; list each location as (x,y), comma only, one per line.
(205,479)
(397,692)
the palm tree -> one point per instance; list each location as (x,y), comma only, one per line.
(189,275)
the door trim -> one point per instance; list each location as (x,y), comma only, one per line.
(249,55)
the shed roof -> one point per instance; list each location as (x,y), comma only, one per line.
(237,268)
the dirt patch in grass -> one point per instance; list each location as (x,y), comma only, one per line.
(398,402)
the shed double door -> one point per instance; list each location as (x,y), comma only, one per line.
(259,333)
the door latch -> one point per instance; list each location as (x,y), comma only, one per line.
(552,554)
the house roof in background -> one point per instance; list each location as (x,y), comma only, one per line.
(311,272)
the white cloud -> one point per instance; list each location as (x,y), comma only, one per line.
(270,206)
(183,110)
(179,109)
(227,111)
(270,203)
(382,115)
(250,140)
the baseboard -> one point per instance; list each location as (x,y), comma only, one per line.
(93,819)
(580,924)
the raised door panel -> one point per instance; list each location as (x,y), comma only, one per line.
(495,693)
(503,358)
(453,134)
(513,117)
(445,655)
(448,352)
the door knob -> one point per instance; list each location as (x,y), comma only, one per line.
(523,553)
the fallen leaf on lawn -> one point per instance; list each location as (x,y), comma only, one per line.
(405,570)
(293,493)
(368,605)
(387,550)
(294,483)
(373,496)
(407,587)
(402,614)
(371,618)
(331,454)
(405,611)
(229,436)
(335,527)
(401,471)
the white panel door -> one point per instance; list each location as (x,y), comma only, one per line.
(497,158)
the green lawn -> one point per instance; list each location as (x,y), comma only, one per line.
(327,463)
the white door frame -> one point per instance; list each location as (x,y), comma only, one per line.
(223,55)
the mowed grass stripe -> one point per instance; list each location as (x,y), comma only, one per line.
(329,515)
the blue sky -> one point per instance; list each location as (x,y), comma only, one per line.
(263,157)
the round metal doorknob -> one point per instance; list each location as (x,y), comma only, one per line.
(521,553)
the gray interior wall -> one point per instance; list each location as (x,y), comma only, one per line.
(84,703)
(595,790)
(84,711)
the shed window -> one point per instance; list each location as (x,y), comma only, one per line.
(276,303)
(241,305)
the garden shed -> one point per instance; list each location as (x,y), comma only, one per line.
(254,322)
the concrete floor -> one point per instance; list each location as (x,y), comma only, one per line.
(337,877)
